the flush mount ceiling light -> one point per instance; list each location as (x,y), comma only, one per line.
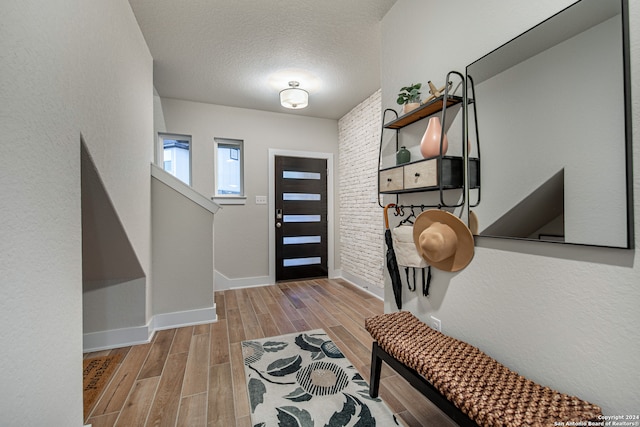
(294,97)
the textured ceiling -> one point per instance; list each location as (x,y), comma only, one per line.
(241,53)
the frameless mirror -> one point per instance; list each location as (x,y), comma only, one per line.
(553,112)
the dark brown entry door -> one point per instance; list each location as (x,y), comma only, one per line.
(300,218)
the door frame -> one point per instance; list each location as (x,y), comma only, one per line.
(273,152)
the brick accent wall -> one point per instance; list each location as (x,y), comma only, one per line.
(361,219)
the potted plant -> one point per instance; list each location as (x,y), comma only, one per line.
(409,97)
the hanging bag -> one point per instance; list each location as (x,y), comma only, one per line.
(408,257)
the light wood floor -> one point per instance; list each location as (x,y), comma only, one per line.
(194,376)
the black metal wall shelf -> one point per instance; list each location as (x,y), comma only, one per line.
(437,173)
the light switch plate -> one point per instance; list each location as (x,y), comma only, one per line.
(261,200)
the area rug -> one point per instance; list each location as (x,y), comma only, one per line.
(95,377)
(304,380)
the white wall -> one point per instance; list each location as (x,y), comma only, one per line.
(182,252)
(561,315)
(158,115)
(113,281)
(241,232)
(360,215)
(68,68)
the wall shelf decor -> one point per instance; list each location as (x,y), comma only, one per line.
(437,173)
(422,175)
(426,110)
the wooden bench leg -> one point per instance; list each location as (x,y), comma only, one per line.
(378,355)
(376,368)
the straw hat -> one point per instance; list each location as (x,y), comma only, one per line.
(443,240)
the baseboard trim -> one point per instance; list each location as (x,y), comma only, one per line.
(115,338)
(223,283)
(364,285)
(184,318)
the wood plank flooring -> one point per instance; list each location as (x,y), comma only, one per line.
(194,376)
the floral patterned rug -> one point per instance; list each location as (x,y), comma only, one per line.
(304,380)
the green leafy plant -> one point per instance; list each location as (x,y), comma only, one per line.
(409,94)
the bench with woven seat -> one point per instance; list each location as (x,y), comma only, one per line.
(468,385)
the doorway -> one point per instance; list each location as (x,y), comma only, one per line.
(300,217)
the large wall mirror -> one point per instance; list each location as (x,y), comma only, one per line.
(553,112)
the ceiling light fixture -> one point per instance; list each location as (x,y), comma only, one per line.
(293,97)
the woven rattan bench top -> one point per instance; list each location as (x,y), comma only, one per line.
(487,391)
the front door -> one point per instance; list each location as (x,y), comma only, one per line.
(300,218)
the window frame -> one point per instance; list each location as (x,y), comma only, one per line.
(228,199)
(159,152)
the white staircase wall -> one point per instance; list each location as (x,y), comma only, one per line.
(182,233)
(69,68)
